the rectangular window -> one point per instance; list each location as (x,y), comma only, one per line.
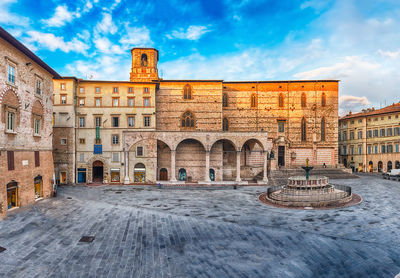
(37,126)
(63,99)
(359,150)
(382,132)
(389,132)
(115,157)
(360,121)
(63,86)
(351,135)
(396,131)
(82,140)
(97,121)
(38,87)
(81,102)
(11,74)
(344,150)
(351,150)
(97,101)
(37,158)
(376,149)
(115,121)
(131,101)
(147,121)
(369,133)
(63,141)
(344,136)
(131,121)
(383,149)
(10,121)
(130,90)
(145,90)
(146,102)
(139,151)
(115,101)
(369,149)
(281,126)
(81,121)
(98,91)
(81,90)
(376,134)
(397,148)
(82,157)
(10,160)
(115,139)
(359,135)
(389,148)
(115,90)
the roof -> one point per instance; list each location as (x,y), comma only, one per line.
(395,107)
(191,80)
(18,45)
(282,81)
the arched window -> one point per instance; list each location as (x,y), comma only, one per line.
(303,130)
(280,100)
(188,120)
(225,124)
(187,92)
(303,100)
(253,100)
(225,100)
(37,118)
(143,60)
(10,111)
(323,100)
(323,129)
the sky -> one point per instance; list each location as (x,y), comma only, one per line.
(356,42)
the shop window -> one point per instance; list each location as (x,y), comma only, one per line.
(115,175)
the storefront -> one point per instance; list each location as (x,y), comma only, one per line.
(115,175)
(38,184)
(139,173)
(12,195)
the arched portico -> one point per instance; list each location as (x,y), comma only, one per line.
(93,162)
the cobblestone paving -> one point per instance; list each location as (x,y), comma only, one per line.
(198,232)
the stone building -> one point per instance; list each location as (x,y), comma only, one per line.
(26,159)
(369,140)
(202,130)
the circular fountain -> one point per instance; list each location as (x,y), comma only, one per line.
(310,192)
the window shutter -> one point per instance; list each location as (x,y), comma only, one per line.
(37,159)
(10,159)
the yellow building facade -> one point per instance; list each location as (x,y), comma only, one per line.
(369,141)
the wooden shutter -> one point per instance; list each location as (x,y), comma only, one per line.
(37,159)
(10,160)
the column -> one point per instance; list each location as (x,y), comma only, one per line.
(173,177)
(207,177)
(238,166)
(265,177)
(126,179)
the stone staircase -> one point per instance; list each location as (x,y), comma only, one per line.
(279,177)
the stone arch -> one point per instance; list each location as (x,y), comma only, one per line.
(89,164)
(224,168)
(191,155)
(397,164)
(9,101)
(255,140)
(224,139)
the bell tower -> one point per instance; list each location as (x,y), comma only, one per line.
(144,64)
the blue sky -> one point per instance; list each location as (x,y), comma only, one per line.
(357,42)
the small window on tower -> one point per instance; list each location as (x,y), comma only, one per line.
(143,60)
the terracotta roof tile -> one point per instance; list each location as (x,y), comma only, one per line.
(395,107)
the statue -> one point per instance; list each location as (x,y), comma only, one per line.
(307,168)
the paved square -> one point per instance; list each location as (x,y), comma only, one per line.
(197,232)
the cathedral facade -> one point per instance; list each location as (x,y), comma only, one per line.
(201,131)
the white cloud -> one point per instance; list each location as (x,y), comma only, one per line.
(136,36)
(9,18)
(61,17)
(53,42)
(106,25)
(347,102)
(390,54)
(193,33)
(317,5)
(104,45)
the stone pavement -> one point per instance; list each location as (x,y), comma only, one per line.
(201,232)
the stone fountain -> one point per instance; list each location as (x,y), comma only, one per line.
(309,191)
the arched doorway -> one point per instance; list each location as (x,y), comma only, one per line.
(38,184)
(397,164)
(182,174)
(191,156)
(12,194)
(389,166)
(370,167)
(252,159)
(380,166)
(212,175)
(98,171)
(163,174)
(139,173)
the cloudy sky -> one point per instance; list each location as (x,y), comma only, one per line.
(357,42)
